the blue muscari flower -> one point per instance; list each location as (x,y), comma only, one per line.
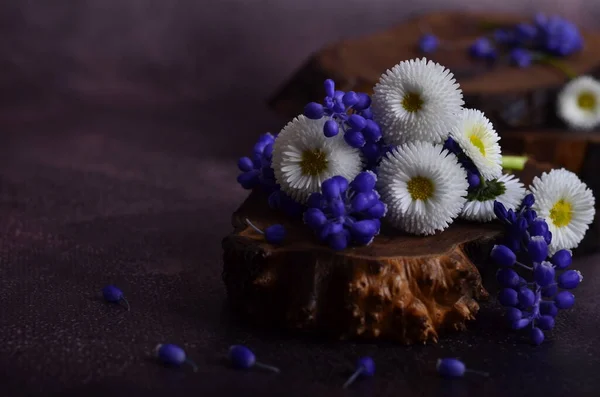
(521,57)
(346,213)
(557,36)
(483,48)
(534,303)
(428,43)
(256,170)
(350,113)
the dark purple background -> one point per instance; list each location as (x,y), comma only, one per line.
(120,123)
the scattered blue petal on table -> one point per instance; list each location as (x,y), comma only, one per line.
(428,43)
(173,355)
(454,368)
(274,234)
(242,357)
(365,367)
(113,294)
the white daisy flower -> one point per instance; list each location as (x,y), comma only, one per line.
(423,186)
(510,193)
(416,100)
(579,103)
(303,157)
(477,137)
(567,205)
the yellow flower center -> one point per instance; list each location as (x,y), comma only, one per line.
(412,102)
(586,101)
(475,138)
(561,213)
(420,188)
(314,162)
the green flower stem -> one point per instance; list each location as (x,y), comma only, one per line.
(555,63)
(515,163)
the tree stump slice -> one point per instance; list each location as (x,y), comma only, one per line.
(510,96)
(403,288)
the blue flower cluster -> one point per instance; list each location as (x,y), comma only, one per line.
(532,303)
(525,42)
(346,213)
(257,172)
(350,113)
(473,176)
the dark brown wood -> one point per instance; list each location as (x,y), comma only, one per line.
(511,97)
(404,288)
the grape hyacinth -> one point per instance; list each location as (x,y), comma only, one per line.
(346,213)
(473,176)
(534,301)
(350,113)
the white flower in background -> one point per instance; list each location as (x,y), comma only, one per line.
(481,209)
(423,186)
(579,103)
(303,157)
(416,100)
(477,137)
(567,205)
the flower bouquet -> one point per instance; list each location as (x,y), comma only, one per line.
(363,207)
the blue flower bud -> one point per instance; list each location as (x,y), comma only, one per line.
(526,297)
(522,323)
(428,43)
(545,322)
(570,279)
(564,300)
(342,182)
(503,36)
(543,274)
(521,57)
(364,182)
(328,229)
(314,218)
(511,216)
(350,98)
(367,114)
(483,48)
(561,259)
(364,101)
(313,110)
(521,226)
(451,146)
(536,336)
(507,278)
(338,241)
(329,87)
(503,256)
(549,291)
(354,138)
(330,188)
(365,228)
(450,368)
(530,215)
(473,179)
(372,131)
(537,249)
(331,128)
(548,237)
(362,202)
(378,210)
(245,164)
(275,234)
(508,297)
(548,308)
(316,200)
(528,201)
(337,207)
(500,210)
(513,315)
(538,227)
(249,179)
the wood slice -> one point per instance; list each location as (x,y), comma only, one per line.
(510,96)
(404,288)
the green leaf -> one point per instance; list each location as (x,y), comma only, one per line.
(487,191)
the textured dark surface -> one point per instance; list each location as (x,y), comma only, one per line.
(142,201)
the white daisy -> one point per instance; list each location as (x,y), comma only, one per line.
(567,204)
(481,209)
(477,137)
(579,103)
(416,100)
(303,157)
(423,186)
